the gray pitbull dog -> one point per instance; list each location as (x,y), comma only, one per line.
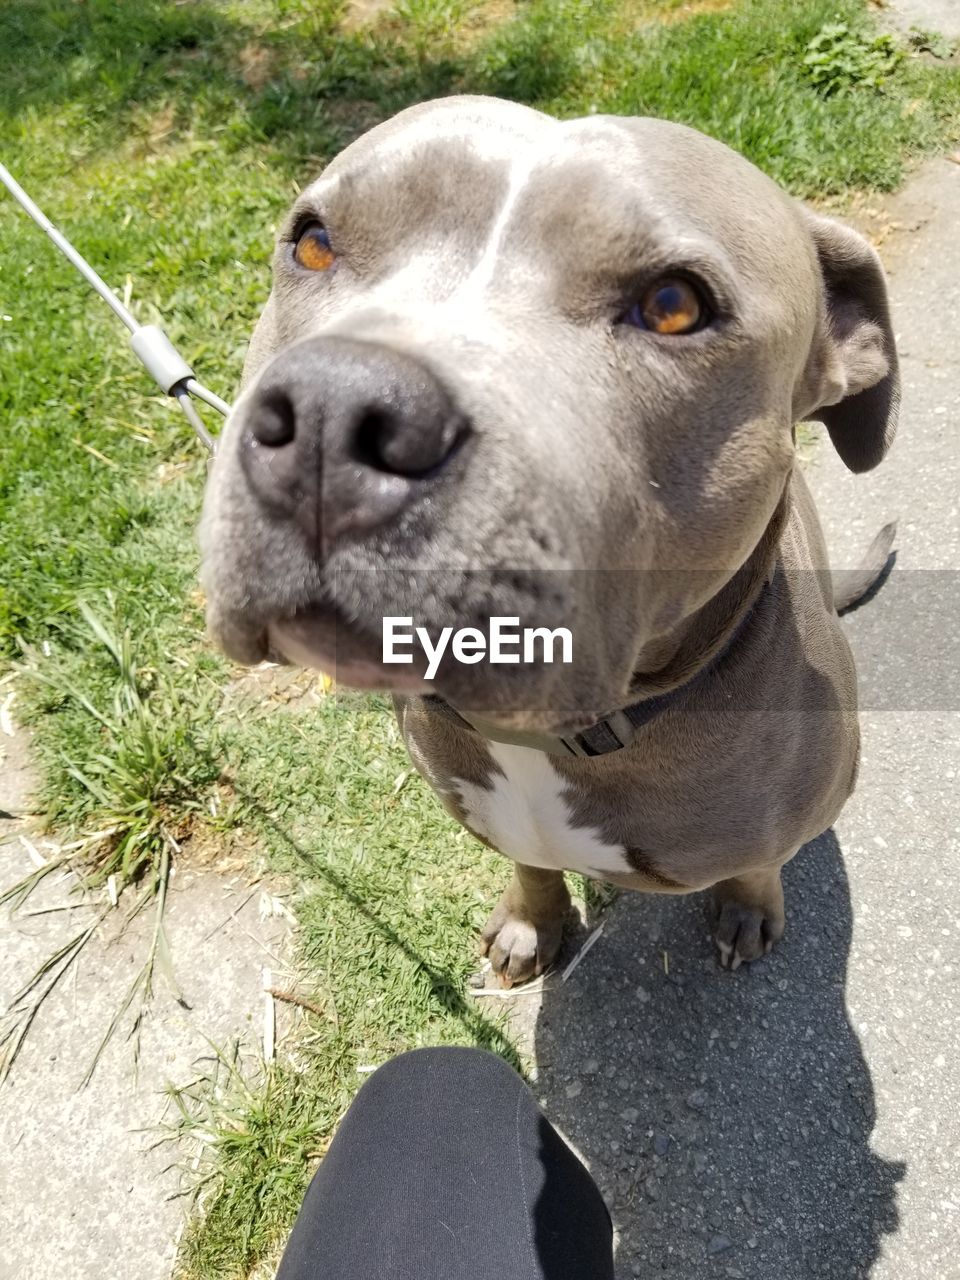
(549,370)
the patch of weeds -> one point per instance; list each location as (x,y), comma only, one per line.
(839,58)
(142,781)
(154,761)
(932,42)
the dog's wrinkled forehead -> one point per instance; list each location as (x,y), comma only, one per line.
(504,190)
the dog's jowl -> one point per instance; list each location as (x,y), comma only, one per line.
(551,372)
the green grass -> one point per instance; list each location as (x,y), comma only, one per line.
(167,139)
(391,896)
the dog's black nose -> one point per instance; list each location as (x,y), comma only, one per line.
(341,436)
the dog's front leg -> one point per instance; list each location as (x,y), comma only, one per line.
(748,915)
(522,936)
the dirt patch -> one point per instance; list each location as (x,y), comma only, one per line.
(364,13)
(889,221)
(262,690)
(690,9)
(257,66)
(644,12)
(353,116)
(481,19)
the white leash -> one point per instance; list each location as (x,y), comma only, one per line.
(150,344)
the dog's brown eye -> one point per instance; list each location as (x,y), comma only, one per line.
(312,249)
(670,306)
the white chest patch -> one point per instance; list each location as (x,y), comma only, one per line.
(526,816)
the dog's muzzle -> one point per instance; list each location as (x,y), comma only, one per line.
(339,437)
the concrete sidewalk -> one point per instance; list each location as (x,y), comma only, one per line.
(84,1190)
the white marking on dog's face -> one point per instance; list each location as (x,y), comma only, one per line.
(481,275)
(466,311)
(525,815)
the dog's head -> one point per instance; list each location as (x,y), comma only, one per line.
(522,368)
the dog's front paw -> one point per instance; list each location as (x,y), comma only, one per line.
(748,917)
(523,935)
(517,949)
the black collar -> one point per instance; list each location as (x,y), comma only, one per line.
(613,732)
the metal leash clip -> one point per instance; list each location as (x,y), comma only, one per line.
(150,344)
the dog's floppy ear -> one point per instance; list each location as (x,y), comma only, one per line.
(852,380)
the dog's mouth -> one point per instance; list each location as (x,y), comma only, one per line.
(495,643)
(319,639)
(322,640)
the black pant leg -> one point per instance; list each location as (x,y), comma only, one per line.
(445,1168)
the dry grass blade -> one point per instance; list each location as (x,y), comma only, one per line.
(291,997)
(510,993)
(20,1014)
(18,893)
(577,959)
(143,982)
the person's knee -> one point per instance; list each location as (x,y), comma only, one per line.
(441,1071)
(440,1066)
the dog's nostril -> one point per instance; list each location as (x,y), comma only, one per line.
(274,423)
(388,441)
(371,439)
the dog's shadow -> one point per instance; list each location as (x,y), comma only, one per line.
(726,1116)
